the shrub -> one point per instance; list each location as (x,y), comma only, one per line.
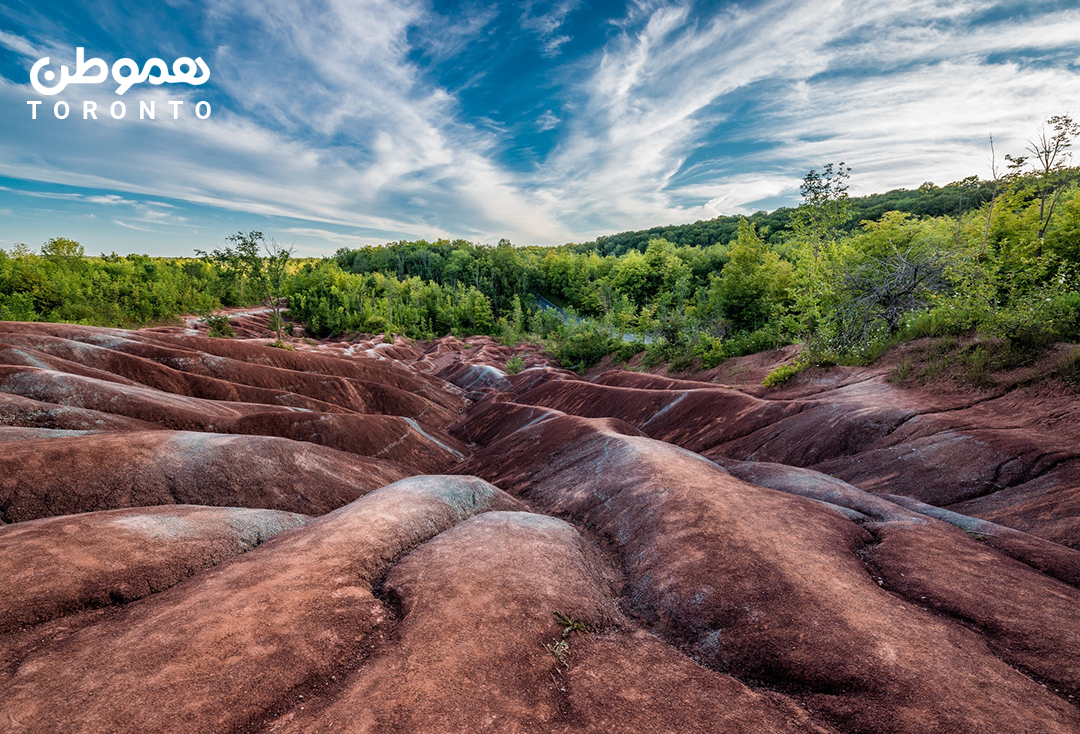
(624,351)
(375,324)
(219,326)
(1038,319)
(1068,368)
(780,375)
(583,347)
(515,364)
(711,351)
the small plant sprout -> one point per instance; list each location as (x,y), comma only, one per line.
(780,375)
(560,648)
(569,624)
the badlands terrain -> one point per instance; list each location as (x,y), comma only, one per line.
(210,535)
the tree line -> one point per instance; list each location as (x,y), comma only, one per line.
(846,276)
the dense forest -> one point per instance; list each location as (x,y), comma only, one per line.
(846,276)
(927,201)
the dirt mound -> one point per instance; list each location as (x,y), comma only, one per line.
(1048,505)
(945,448)
(41,477)
(235,644)
(653,553)
(698,419)
(20,412)
(198,374)
(774,588)
(378,436)
(74,377)
(60,565)
(745,372)
(477,621)
(225,358)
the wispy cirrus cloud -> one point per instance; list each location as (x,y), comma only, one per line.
(547,23)
(331,121)
(907,93)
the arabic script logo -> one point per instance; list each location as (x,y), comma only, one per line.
(95,71)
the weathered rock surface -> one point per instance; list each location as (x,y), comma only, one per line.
(41,477)
(61,565)
(230,645)
(774,589)
(207,535)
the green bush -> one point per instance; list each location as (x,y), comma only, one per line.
(711,351)
(219,326)
(780,375)
(515,364)
(1038,319)
(624,351)
(582,346)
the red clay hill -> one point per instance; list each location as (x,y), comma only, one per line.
(211,535)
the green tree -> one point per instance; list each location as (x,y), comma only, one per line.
(260,260)
(874,279)
(826,206)
(755,282)
(1050,150)
(61,248)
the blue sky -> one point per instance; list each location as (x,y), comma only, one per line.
(358,122)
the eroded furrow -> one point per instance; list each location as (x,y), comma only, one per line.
(765,585)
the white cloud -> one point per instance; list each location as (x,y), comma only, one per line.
(126,225)
(19,45)
(546,25)
(903,92)
(333,123)
(547,121)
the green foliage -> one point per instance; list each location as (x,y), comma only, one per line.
(219,326)
(1036,319)
(582,345)
(753,287)
(826,207)
(63,284)
(868,284)
(711,351)
(849,290)
(63,249)
(624,351)
(329,302)
(515,364)
(848,277)
(928,200)
(264,262)
(569,624)
(559,648)
(780,375)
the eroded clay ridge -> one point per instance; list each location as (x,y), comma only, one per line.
(211,535)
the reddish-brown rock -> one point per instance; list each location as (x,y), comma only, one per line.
(61,565)
(768,586)
(41,477)
(232,645)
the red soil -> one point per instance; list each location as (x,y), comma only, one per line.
(210,535)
